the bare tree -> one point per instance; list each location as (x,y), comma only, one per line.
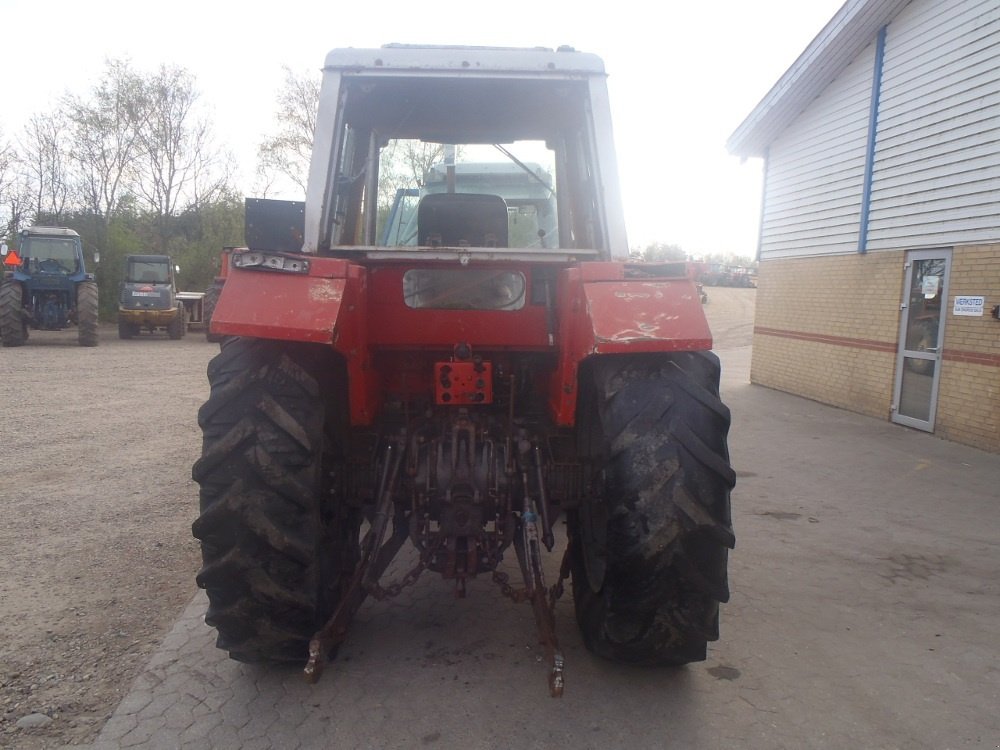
(105,139)
(45,164)
(212,177)
(15,202)
(171,142)
(287,153)
(168,137)
(178,164)
(8,189)
(403,163)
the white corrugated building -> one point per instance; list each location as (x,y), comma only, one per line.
(880,223)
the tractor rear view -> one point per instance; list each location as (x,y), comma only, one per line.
(467,385)
(46,287)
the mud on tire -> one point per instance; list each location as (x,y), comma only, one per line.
(275,542)
(651,538)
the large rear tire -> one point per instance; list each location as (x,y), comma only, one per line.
(86,312)
(276,543)
(13,331)
(178,325)
(650,540)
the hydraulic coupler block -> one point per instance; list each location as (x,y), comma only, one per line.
(463,383)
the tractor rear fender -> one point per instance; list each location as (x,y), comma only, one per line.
(604,310)
(307,306)
(291,306)
(599,309)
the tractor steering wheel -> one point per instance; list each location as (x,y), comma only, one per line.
(51,265)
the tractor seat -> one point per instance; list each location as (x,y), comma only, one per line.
(462,220)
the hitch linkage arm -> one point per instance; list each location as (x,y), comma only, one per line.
(529,556)
(375,558)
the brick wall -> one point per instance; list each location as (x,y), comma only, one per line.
(969,395)
(827,328)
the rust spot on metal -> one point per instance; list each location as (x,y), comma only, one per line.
(630,295)
(324,291)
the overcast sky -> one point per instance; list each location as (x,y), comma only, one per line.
(682,76)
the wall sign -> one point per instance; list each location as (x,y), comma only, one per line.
(969,305)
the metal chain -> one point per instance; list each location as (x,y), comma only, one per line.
(517,595)
(380,593)
(523,595)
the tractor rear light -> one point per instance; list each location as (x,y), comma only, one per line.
(271,261)
(463,383)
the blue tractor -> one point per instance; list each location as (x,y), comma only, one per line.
(46,287)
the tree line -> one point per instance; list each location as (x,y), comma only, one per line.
(133,166)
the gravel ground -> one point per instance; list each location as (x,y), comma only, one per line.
(97,555)
(96,549)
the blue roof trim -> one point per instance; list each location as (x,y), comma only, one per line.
(866,194)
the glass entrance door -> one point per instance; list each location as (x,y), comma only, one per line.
(921,336)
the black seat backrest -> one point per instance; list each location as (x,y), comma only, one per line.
(462,219)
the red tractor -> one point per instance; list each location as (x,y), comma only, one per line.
(505,370)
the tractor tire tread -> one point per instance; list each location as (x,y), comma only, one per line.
(87,313)
(12,330)
(177,327)
(261,523)
(666,479)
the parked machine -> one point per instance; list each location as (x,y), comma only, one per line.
(46,287)
(148,300)
(468,387)
(210,297)
(722,274)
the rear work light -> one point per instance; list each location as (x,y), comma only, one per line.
(270,261)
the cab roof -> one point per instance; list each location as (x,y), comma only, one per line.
(49,232)
(422,58)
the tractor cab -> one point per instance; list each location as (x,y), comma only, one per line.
(53,255)
(50,256)
(152,271)
(46,286)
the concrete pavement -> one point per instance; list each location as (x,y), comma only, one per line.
(864,614)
